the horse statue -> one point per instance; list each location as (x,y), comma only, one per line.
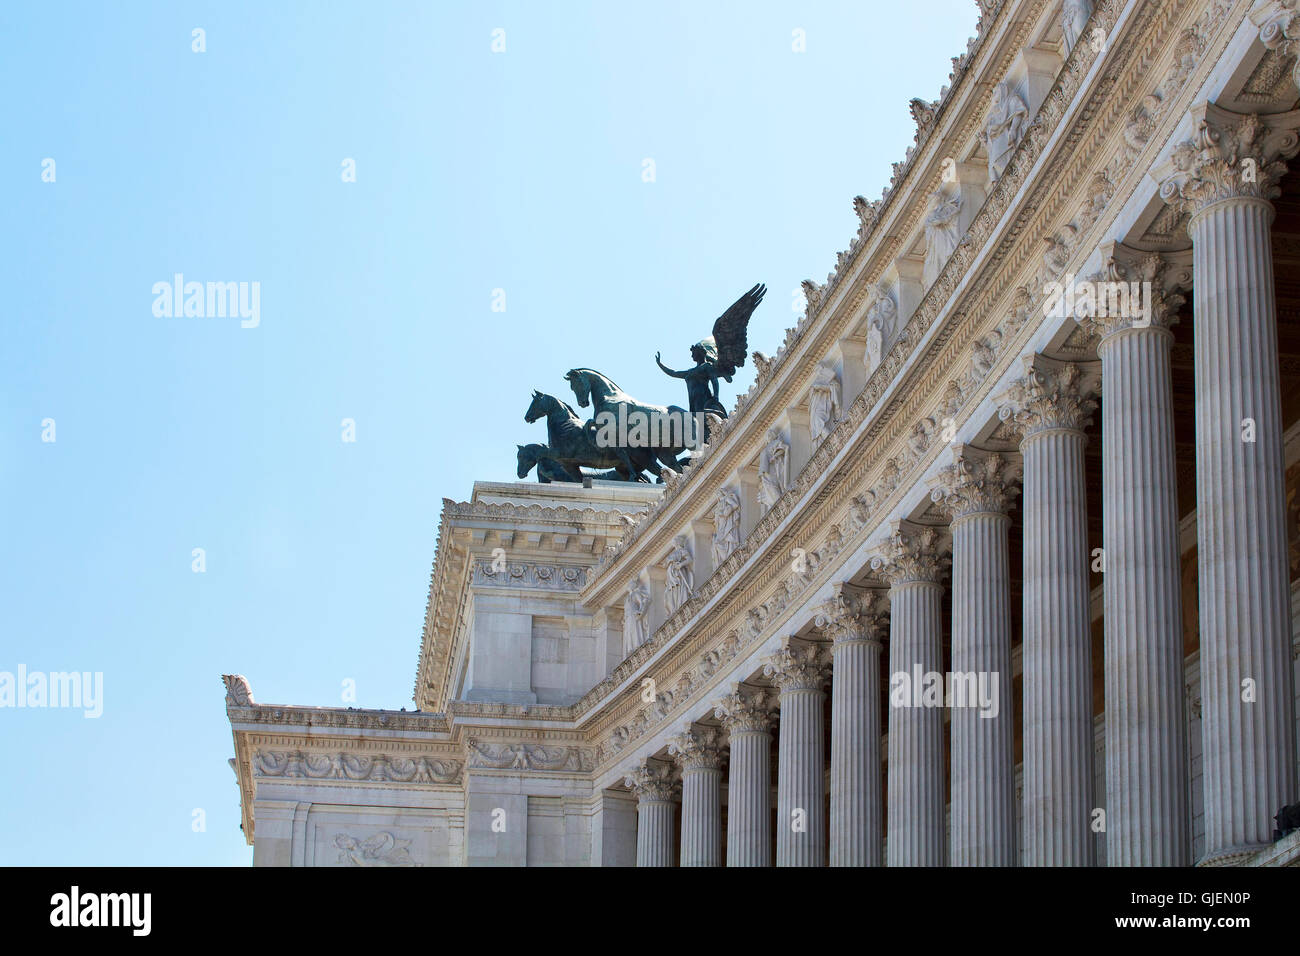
(549,470)
(611,404)
(570,445)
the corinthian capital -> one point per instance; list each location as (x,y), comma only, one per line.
(799,665)
(1231,156)
(910,554)
(1281,34)
(1136,289)
(853,614)
(977,482)
(652,780)
(699,748)
(1051,395)
(747,708)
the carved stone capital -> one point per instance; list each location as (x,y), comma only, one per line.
(1135,289)
(1051,395)
(853,614)
(800,665)
(652,780)
(1281,34)
(1231,156)
(747,709)
(700,748)
(910,555)
(977,482)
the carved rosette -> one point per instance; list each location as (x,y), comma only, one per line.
(854,615)
(701,748)
(977,482)
(747,710)
(911,556)
(652,780)
(1051,395)
(798,666)
(1232,156)
(1161,279)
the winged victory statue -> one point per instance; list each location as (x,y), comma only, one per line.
(718,355)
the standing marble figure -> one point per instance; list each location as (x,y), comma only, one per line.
(680,581)
(636,626)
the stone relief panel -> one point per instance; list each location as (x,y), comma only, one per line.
(358,767)
(551,577)
(524,756)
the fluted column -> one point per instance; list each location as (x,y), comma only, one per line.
(855,622)
(653,784)
(914,568)
(1049,407)
(799,672)
(698,754)
(976,491)
(1225,180)
(746,715)
(1147,819)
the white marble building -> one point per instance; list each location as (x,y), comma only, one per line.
(1037,435)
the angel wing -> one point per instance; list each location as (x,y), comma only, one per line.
(729,331)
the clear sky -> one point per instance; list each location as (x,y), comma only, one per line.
(476,171)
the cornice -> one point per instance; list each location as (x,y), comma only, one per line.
(340,718)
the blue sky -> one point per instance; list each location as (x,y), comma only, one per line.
(475,171)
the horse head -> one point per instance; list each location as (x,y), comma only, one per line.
(535,409)
(526,460)
(581,387)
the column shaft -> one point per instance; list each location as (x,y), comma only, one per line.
(801,780)
(1248,706)
(702,816)
(654,832)
(1056,653)
(916,763)
(856,784)
(1147,822)
(982,763)
(749,799)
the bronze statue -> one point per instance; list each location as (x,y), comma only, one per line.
(570,447)
(719,355)
(640,435)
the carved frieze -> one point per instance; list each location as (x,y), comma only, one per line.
(374,768)
(527,756)
(513,574)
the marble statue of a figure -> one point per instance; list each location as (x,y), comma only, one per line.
(823,403)
(1005,125)
(1074,17)
(880,320)
(680,579)
(875,345)
(636,613)
(941,234)
(726,525)
(773,469)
